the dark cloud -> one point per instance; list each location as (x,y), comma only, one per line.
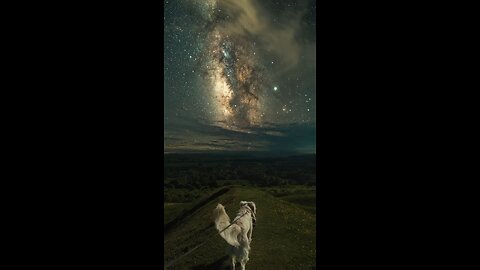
(254,19)
(196,135)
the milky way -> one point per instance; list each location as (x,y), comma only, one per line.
(234,75)
(235,81)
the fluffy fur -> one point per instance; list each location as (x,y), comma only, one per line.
(239,235)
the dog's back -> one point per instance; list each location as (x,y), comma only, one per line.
(238,234)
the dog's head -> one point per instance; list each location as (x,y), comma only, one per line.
(251,205)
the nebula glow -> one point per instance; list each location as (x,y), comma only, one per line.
(234,79)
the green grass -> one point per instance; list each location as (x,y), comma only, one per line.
(182,195)
(232,182)
(171,210)
(284,236)
(306,201)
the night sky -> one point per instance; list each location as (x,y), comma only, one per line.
(239,76)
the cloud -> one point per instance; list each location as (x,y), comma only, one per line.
(251,19)
(196,135)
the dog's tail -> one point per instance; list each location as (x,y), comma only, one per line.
(222,220)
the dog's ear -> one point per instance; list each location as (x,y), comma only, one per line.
(253,207)
(242,203)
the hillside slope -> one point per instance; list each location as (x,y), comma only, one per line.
(284,236)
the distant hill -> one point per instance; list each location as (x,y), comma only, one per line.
(205,169)
(205,157)
(284,236)
(232,156)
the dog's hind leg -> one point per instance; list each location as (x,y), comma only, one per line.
(233,262)
(242,265)
(245,251)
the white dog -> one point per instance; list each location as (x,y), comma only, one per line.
(239,234)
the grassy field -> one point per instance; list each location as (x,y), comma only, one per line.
(171,210)
(284,236)
(304,196)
